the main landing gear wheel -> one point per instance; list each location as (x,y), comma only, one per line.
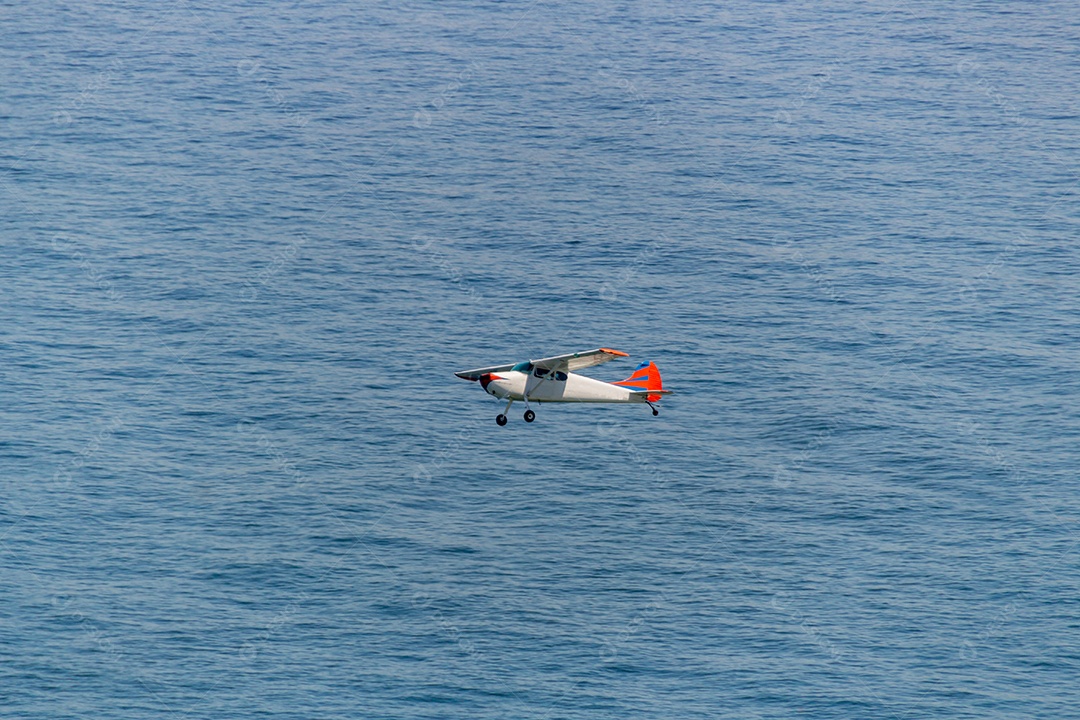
(529,416)
(501,417)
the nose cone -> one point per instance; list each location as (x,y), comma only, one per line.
(486,379)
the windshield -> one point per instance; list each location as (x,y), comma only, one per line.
(523,367)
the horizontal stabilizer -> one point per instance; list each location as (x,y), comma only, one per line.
(651,392)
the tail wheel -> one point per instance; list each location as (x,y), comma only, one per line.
(529,416)
(501,419)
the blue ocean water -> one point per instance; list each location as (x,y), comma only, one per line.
(245,248)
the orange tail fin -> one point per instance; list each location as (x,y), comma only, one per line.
(645,377)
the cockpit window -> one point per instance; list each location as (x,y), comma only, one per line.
(523,367)
(540,372)
(560,376)
(547,374)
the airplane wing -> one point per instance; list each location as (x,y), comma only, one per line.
(475,374)
(567,363)
(576,361)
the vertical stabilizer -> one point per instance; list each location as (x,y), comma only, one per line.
(645,377)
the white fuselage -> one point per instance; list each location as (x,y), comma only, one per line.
(515,385)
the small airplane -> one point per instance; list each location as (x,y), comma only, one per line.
(553,379)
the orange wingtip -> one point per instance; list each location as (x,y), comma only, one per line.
(620,353)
